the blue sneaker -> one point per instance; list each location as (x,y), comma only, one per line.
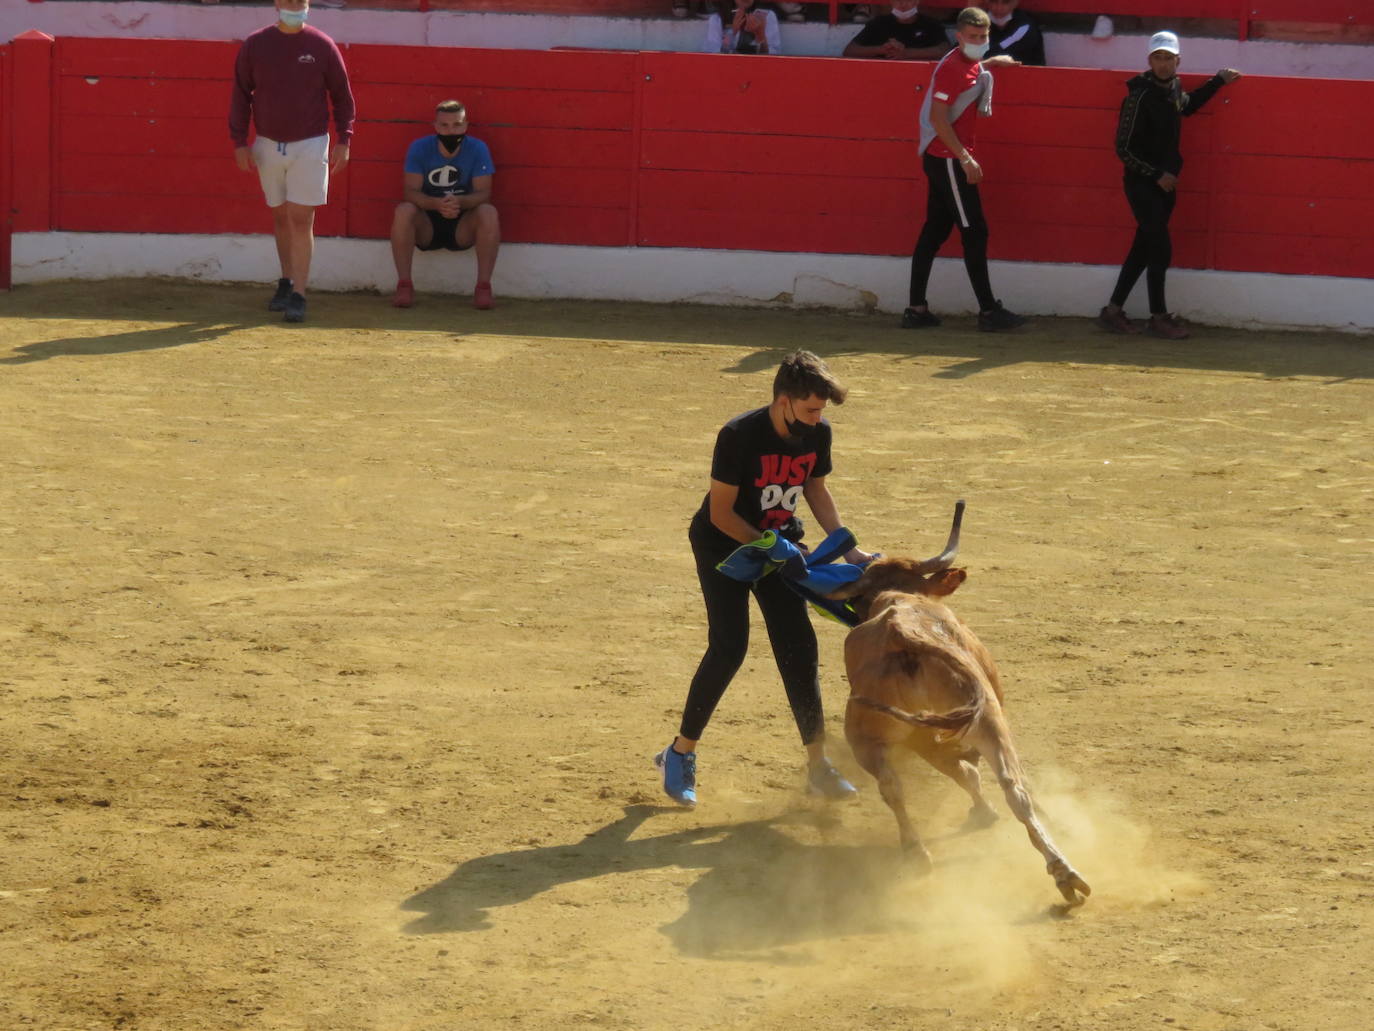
(823,779)
(679,775)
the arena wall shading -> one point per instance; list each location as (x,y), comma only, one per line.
(694,150)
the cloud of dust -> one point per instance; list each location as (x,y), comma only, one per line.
(1115,853)
(824,898)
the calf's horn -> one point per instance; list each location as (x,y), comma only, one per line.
(942,561)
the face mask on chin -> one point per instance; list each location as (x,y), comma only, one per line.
(291,19)
(450,142)
(974,52)
(907,15)
(797,431)
(999,22)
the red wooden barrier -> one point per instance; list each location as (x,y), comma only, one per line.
(32,130)
(6,164)
(695,150)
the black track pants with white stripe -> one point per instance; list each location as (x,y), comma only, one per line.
(951,200)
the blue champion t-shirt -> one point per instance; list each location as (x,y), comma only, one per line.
(443,176)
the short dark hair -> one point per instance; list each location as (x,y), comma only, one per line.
(802,374)
(975,17)
(450,107)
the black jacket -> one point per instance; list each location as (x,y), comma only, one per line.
(1151,116)
(1020,38)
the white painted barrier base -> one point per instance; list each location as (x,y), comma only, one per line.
(842,281)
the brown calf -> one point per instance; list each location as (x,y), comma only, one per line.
(920,679)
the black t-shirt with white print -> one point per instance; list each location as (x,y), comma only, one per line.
(769,471)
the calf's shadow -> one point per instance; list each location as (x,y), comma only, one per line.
(761,889)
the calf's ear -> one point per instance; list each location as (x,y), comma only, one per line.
(946,583)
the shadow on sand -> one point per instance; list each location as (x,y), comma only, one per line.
(761,889)
(178,335)
(964,351)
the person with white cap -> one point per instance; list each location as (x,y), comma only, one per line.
(1147,141)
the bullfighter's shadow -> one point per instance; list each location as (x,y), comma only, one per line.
(161,337)
(762,888)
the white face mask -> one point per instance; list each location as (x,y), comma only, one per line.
(906,15)
(294,19)
(972,52)
(999,22)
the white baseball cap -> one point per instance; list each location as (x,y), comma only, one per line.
(1166,41)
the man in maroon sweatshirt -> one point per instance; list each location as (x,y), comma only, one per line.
(286,78)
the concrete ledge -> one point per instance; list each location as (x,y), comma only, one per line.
(842,281)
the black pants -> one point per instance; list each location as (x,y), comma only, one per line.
(951,200)
(727,615)
(1151,250)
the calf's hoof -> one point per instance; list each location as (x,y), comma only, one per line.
(980,818)
(916,858)
(1074,888)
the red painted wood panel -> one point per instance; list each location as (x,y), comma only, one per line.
(540,108)
(30,118)
(171,137)
(145,96)
(1313,12)
(597,70)
(148,58)
(7,150)
(1321,118)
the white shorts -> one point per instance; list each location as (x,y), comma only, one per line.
(297,172)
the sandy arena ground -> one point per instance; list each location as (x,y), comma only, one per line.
(335,655)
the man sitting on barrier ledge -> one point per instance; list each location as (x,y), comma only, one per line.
(447,204)
(903,35)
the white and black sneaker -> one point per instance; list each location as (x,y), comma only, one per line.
(278,301)
(998,320)
(295,308)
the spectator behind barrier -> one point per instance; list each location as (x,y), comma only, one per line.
(738,27)
(1147,137)
(960,91)
(1014,32)
(287,77)
(447,190)
(903,35)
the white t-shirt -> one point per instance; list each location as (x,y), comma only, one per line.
(717,44)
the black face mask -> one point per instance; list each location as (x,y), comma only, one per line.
(450,142)
(798,431)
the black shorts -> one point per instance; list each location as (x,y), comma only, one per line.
(445,232)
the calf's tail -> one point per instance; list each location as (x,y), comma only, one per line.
(956,720)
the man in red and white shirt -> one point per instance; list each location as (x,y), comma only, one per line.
(960,91)
(286,78)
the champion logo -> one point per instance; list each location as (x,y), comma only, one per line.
(306,59)
(444,177)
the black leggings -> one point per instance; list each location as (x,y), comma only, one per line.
(951,199)
(1151,250)
(727,614)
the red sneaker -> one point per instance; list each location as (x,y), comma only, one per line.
(481,296)
(404,296)
(1168,327)
(1116,322)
